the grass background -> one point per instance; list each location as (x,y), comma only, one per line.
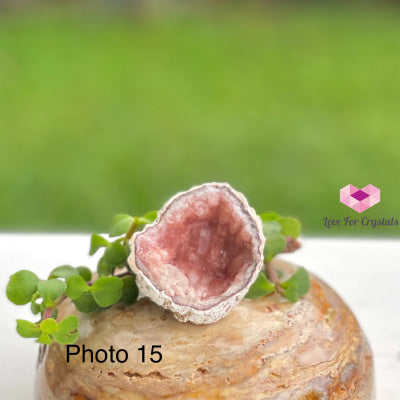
(105,112)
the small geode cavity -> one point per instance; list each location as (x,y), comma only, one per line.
(202,253)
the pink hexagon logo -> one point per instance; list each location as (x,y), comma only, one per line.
(360,199)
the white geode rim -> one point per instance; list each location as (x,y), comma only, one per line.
(186,313)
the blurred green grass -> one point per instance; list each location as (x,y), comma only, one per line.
(107,113)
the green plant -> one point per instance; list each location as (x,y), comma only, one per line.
(92,293)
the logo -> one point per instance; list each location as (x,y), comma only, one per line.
(360,199)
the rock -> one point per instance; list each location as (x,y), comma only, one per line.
(265,349)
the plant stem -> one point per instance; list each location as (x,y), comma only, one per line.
(47,313)
(273,276)
(131,230)
(49,310)
(122,274)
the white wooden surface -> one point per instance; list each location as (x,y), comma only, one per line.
(365,272)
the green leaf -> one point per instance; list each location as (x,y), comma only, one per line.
(271,228)
(86,303)
(21,287)
(275,228)
(301,279)
(49,325)
(291,293)
(85,273)
(130,291)
(274,244)
(290,227)
(261,287)
(28,329)
(44,338)
(121,224)
(106,290)
(76,286)
(148,218)
(274,240)
(127,249)
(64,271)
(35,296)
(115,254)
(297,285)
(97,242)
(69,324)
(67,330)
(104,268)
(269,216)
(51,290)
(35,307)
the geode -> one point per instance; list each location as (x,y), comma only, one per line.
(201,255)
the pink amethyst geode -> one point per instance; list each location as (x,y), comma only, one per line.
(201,255)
